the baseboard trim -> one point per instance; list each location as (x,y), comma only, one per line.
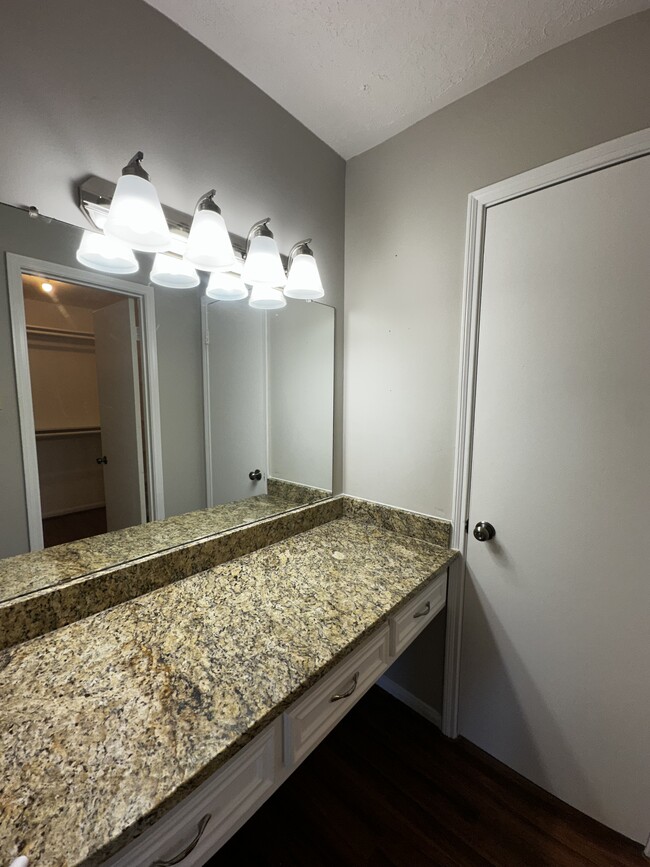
(410,700)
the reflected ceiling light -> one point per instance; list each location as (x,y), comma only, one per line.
(173,273)
(136,217)
(226,286)
(209,247)
(266,298)
(304,280)
(47,287)
(105,254)
(263,266)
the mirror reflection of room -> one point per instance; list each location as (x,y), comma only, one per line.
(123,432)
(85,370)
(269,402)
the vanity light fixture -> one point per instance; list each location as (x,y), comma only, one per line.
(173,272)
(101,253)
(209,247)
(226,286)
(263,266)
(135,216)
(304,280)
(202,243)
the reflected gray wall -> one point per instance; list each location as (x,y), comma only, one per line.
(86,84)
(300,384)
(178,319)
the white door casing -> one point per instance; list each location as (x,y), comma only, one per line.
(17,266)
(554,645)
(118,386)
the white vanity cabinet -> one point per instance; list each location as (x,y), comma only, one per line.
(193,830)
(197,827)
(412,618)
(316,713)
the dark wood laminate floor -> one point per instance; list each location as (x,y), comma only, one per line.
(386,788)
(69,528)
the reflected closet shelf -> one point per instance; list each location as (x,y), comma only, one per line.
(56,433)
(59,334)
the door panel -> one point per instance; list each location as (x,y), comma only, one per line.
(556,633)
(118,385)
(237,381)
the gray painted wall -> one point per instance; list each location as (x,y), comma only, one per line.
(406,206)
(86,84)
(300,384)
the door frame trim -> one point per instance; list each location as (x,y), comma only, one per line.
(593,159)
(17,266)
(207,427)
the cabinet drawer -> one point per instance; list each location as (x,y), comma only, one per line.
(417,614)
(201,823)
(313,716)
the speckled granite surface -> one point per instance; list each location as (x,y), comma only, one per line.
(27,573)
(111,720)
(295,493)
(413,524)
(51,608)
(65,601)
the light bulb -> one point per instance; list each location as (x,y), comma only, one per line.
(47,287)
(266,298)
(173,273)
(226,286)
(105,254)
(304,280)
(136,216)
(209,247)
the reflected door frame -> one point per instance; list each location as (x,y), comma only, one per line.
(17,266)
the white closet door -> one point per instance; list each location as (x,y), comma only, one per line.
(237,399)
(555,677)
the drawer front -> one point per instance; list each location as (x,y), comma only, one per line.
(417,614)
(313,716)
(201,823)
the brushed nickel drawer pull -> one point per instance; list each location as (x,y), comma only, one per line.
(348,692)
(176,859)
(427,609)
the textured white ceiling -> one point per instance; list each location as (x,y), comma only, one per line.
(356,72)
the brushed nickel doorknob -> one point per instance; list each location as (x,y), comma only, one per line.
(484,531)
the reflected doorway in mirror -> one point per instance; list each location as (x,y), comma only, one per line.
(84,388)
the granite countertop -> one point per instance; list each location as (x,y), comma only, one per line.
(110,721)
(27,573)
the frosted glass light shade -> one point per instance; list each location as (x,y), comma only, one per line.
(173,273)
(136,216)
(104,254)
(226,286)
(304,280)
(208,246)
(263,265)
(266,298)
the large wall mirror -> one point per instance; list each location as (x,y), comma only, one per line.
(124,403)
